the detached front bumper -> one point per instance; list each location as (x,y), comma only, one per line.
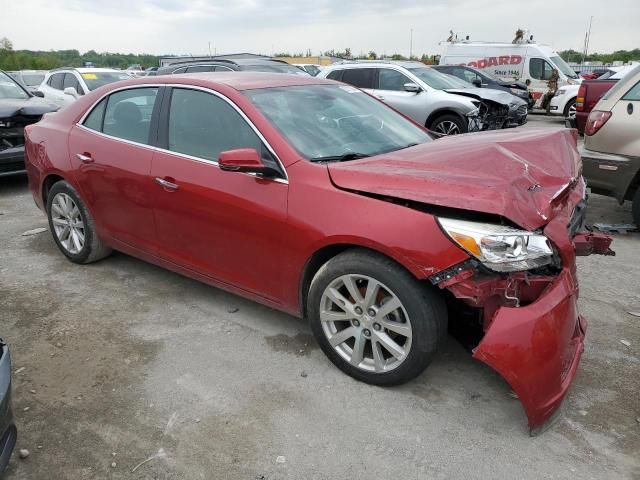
(537,348)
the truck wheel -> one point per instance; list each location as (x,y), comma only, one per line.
(448,125)
(635,208)
(373,319)
(570,109)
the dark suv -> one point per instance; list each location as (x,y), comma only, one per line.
(486,80)
(217,64)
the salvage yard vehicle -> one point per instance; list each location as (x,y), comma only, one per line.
(611,153)
(314,198)
(222,64)
(29,78)
(483,79)
(63,86)
(8,432)
(429,97)
(18,108)
(525,61)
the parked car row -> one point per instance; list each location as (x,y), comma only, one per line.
(440,102)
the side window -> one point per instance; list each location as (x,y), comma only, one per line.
(359,77)
(389,79)
(203,125)
(467,75)
(633,94)
(70,80)
(56,81)
(540,69)
(220,68)
(200,68)
(128,114)
(335,75)
(180,70)
(94,119)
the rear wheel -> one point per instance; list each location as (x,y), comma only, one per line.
(635,208)
(72,226)
(570,109)
(448,125)
(373,320)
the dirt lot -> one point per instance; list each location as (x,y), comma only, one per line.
(122,362)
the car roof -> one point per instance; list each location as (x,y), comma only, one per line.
(378,64)
(85,70)
(243,80)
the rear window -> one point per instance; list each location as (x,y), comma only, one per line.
(359,77)
(56,81)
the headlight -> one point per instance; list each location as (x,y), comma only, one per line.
(499,248)
(562,91)
(473,113)
(518,92)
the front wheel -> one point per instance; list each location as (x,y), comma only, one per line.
(448,125)
(570,109)
(373,319)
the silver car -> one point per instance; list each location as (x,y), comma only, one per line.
(421,93)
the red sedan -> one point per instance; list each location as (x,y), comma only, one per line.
(314,198)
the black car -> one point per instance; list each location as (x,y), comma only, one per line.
(483,79)
(221,64)
(18,108)
(8,433)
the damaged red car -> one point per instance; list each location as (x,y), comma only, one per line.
(314,198)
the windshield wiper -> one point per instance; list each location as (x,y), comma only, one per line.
(341,158)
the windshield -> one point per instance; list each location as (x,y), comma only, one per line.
(276,68)
(329,122)
(563,67)
(98,79)
(437,80)
(32,79)
(9,88)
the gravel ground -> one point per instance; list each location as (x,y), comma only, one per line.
(123,362)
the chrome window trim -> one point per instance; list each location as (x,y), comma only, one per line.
(80,123)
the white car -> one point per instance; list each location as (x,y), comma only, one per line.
(564,101)
(64,86)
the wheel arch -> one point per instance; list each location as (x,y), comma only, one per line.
(565,111)
(443,111)
(326,253)
(48,182)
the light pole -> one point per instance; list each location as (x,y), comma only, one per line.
(411,45)
(586,41)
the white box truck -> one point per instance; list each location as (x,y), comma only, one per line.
(526,62)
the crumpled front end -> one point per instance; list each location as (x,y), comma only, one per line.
(12,143)
(533,334)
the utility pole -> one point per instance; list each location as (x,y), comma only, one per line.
(411,45)
(587,37)
(209,49)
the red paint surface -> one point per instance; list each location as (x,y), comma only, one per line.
(254,237)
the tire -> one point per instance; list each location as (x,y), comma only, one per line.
(569,108)
(444,123)
(635,208)
(418,324)
(62,201)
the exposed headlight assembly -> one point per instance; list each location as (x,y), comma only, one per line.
(498,247)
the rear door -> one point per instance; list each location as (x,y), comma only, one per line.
(363,78)
(226,225)
(111,155)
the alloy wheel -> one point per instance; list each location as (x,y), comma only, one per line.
(67,222)
(447,127)
(572,110)
(365,323)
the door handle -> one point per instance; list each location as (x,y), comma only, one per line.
(84,157)
(630,108)
(166,184)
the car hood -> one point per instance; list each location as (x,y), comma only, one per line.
(518,85)
(519,176)
(497,96)
(10,107)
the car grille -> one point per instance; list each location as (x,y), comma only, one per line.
(12,130)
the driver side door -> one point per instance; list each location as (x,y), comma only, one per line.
(225,225)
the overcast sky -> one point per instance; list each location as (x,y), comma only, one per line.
(263,26)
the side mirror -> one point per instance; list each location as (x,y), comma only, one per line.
(477,82)
(245,160)
(37,93)
(71,91)
(412,87)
